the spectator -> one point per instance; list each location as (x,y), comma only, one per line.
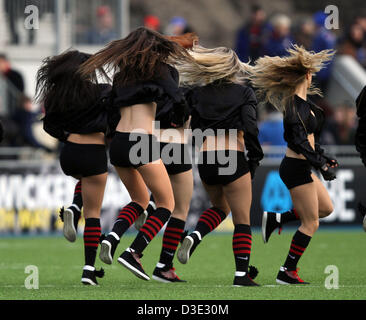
(251,37)
(341,129)
(25,117)
(280,39)
(304,33)
(105,28)
(352,42)
(323,39)
(152,22)
(178,26)
(13,76)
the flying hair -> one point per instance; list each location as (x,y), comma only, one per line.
(277,78)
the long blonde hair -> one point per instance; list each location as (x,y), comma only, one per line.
(277,78)
(210,65)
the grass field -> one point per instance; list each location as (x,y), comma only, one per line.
(209,272)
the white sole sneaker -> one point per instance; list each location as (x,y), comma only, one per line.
(156,278)
(183,252)
(264,224)
(140,221)
(136,272)
(88,281)
(364,223)
(105,252)
(69,228)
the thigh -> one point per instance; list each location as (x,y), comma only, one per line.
(157,180)
(239,197)
(182,184)
(134,184)
(305,201)
(93,193)
(217,197)
(324,202)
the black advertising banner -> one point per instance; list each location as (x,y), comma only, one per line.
(31,196)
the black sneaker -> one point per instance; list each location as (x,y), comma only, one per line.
(289,277)
(108,248)
(70,217)
(90,275)
(166,274)
(189,244)
(245,279)
(270,222)
(131,261)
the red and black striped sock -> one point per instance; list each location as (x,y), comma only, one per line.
(171,239)
(126,218)
(150,229)
(210,220)
(92,234)
(78,200)
(242,244)
(289,216)
(299,243)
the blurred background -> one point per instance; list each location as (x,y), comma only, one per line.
(32,187)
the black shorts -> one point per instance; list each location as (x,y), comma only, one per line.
(83,160)
(213,170)
(295,172)
(176,157)
(133,149)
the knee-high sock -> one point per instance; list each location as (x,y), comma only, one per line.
(210,220)
(92,233)
(172,236)
(299,243)
(242,244)
(78,199)
(127,216)
(150,229)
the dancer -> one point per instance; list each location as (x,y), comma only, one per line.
(286,82)
(224,108)
(176,157)
(360,141)
(76,114)
(142,75)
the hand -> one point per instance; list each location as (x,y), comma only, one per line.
(328,173)
(253,167)
(331,161)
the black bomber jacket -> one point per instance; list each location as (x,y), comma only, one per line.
(360,140)
(227,106)
(296,130)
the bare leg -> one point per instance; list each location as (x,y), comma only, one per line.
(182,185)
(324,202)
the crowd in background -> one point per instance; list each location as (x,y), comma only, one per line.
(260,35)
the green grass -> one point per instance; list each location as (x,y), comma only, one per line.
(209,272)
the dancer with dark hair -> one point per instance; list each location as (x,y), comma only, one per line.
(143,74)
(286,82)
(76,115)
(360,141)
(224,107)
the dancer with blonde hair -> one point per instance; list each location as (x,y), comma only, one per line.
(225,108)
(286,82)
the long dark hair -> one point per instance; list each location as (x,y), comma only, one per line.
(60,86)
(139,56)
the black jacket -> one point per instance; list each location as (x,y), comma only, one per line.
(296,124)
(227,106)
(360,140)
(90,119)
(163,88)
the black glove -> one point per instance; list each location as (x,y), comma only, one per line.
(1,132)
(328,174)
(363,158)
(253,165)
(331,160)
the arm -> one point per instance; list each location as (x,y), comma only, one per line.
(249,119)
(54,130)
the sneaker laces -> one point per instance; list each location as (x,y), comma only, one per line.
(61,214)
(137,257)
